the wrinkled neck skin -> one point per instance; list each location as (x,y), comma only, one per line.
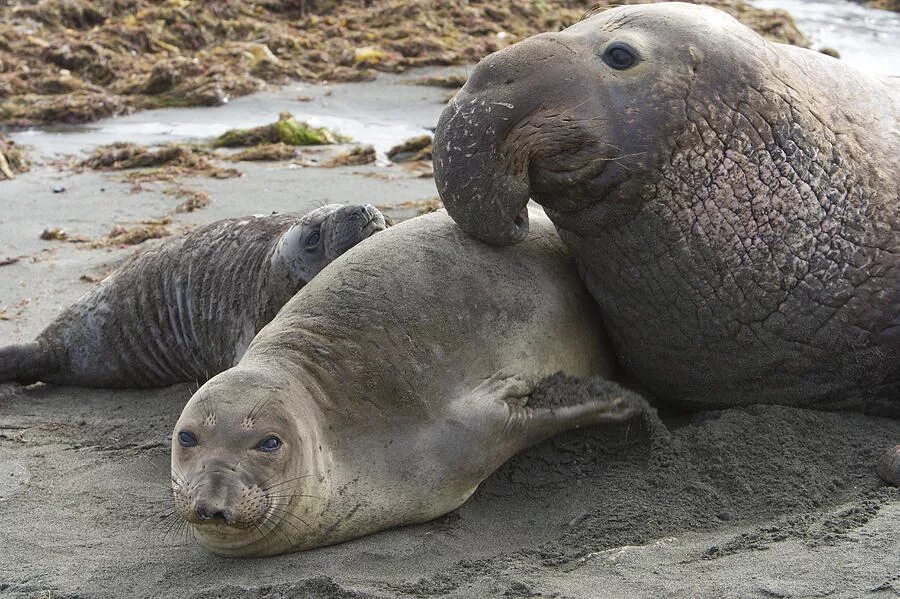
(748,251)
(723,210)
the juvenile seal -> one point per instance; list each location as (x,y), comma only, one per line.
(732,203)
(386,390)
(188,309)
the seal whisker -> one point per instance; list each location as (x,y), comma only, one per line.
(278,532)
(284,482)
(279,518)
(282,514)
(292,495)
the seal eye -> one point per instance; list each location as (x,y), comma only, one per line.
(619,56)
(269,444)
(186,439)
(313,240)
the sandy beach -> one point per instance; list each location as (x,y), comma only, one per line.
(756,502)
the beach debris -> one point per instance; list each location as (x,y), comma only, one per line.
(12,159)
(59,189)
(74,61)
(54,234)
(286,130)
(120,236)
(449,81)
(412,150)
(357,156)
(267,151)
(164,164)
(191,199)
(410,208)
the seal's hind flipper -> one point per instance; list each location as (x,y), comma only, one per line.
(560,403)
(26,363)
(538,424)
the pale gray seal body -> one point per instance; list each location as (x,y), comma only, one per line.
(188,309)
(387,389)
(732,203)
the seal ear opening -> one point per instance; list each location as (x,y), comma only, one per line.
(25,364)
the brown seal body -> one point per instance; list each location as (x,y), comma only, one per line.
(732,203)
(188,309)
(387,389)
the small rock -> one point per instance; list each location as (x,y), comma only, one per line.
(889,466)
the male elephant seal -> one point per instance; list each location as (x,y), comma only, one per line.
(386,390)
(189,308)
(732,203)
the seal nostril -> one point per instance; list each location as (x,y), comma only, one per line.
(521,218)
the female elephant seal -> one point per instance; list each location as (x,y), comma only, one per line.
(189,308)
(386,390)
(732,203)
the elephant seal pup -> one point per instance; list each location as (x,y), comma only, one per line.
(732,203)
(188,309)
(387,390)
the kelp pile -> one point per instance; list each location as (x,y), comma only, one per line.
(12,159)
(76,61)
(286,130)
(167,163)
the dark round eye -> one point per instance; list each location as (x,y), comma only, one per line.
(187,439)
(619,56)
(269,444)
(313,240)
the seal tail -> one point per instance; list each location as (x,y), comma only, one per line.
(26,363)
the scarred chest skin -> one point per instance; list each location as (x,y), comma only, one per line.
(762,262)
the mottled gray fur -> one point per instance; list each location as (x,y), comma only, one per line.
(188,309)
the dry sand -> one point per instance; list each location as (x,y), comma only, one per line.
(755,502)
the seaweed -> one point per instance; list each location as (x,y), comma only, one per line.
(286,130)
(266,151)
(164,164)
(76,61)
(355,157)
(412,150)
(12,159)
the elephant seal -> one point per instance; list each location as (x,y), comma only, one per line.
(387,389)
(732,203)
(189,308)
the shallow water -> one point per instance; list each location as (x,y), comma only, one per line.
(866,38)
(382,113)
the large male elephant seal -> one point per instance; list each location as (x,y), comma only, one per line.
(387,389)
(732,203)
(188,309)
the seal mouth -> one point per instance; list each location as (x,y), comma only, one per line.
(376,224)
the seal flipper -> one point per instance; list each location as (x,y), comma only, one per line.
(26,363)
(527,424)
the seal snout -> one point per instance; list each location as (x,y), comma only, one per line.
(209,511)
(352,224)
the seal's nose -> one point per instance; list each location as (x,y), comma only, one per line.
(207,511)
(367,218)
